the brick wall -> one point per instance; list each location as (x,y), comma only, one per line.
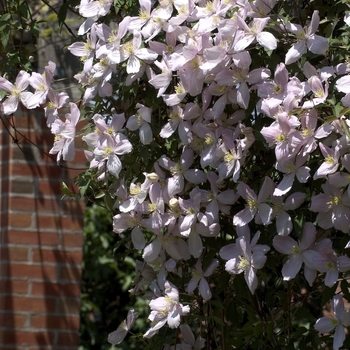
(40,241)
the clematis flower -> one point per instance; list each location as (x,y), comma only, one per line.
(296,251)
(65,134)
(190,343)
(245,256)
(199,278)
(307,39)
(337,321)
(323,258)
(17,93)
(255,32)
(331,161)
(141,120)
(109,148)
(132,52)
(292,167)
(96,8)
(56,101)
(42,83)
(118,335)
(180,119)
(284,224)
(255,206)
(333,207)
(166,310)
(181,171)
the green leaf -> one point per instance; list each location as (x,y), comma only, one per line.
(328,294)
(5,17)
(345,289)
(62,14)
(218,320)
(66,191)
(5,36)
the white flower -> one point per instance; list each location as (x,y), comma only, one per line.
(307,39)
(166,310)
(118,335)
(338,321)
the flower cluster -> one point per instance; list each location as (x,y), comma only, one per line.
(233,145)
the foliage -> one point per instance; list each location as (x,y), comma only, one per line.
(107,276)
(218,139)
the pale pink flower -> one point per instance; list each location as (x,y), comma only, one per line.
(219,201)
(283,134)
(255,32)
(198,277)
(108,149)
(138,193)
(42,83)
(255,204)
(232,157)
(96,8)
(141,120)
(323,258)
(17,93)
(133,52)
(56,101)
(65,134)
(166,309)
(130,220)
(190,343)
(333,207)
(118,335)
(292,167)
(261,8)
(284,224)
(309,132)
(162,81)
(307,39)
(320,91)
(331,161)
(247,257)
(181,171)
(180,119)
(296,251)
(338,321)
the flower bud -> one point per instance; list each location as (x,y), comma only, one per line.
(153,177)
(173,203)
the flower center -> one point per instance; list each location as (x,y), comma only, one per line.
(230,156)
(244,263)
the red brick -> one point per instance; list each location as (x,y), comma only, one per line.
(14,287)
(30,271)
(55,289)
(15,303)
(50,187)
(20,220)
(47,171)
(59,256)
(37,203)
(70,273)
(22,186)
(73,223)
(33,238)
(14,254)
(49,221)
(72,240)
(55,322)
(11,320)
(26,337)
(73,207)
(69,306)
(68,339)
